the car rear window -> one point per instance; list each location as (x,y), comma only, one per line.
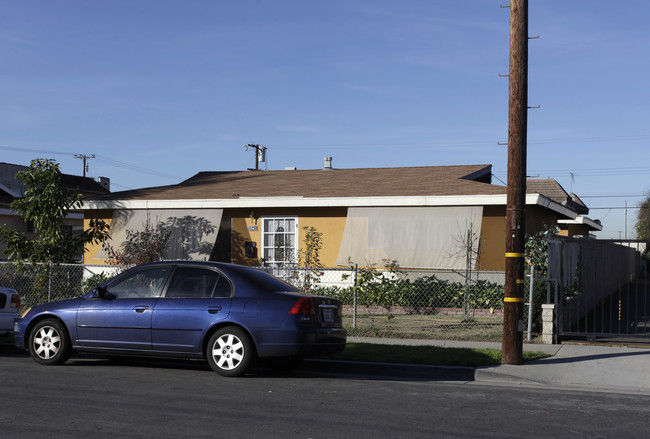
(262,280)
(199,283)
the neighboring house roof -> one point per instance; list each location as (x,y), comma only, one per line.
(553,190)
(548,187)
(11,188)
(84,185)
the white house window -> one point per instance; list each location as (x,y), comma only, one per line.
(280,237)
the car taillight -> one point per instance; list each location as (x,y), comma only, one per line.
(303,306)
(15,301)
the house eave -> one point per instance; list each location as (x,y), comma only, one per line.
(582,220)
(294,202)
(71,215)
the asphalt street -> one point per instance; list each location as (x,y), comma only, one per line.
(93,397)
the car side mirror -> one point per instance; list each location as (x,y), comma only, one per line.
(100,292)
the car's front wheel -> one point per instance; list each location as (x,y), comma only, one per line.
(230,351)
(49,343)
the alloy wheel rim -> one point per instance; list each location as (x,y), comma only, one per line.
(228,352)
(47,343)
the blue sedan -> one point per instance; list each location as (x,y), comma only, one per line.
(225,313)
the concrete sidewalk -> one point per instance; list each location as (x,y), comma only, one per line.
(588,366)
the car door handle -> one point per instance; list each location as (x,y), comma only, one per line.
(140,308)
(214,309)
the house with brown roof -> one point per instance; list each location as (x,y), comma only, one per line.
(12,189)
(417,217)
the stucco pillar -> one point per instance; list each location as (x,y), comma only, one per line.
(548,329)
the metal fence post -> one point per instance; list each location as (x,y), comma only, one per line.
(354,299)
(530,301)
(558,320)
(49,283)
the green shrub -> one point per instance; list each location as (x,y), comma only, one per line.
(422,295)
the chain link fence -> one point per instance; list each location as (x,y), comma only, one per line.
(448,305)
(41,283)
(451,305)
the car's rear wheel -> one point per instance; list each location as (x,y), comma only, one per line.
(49,343)
(230,351)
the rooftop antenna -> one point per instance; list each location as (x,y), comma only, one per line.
(260,154)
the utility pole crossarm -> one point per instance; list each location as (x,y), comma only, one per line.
(260,154)
(84,158)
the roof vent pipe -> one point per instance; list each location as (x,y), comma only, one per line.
(328,164)
(105,182)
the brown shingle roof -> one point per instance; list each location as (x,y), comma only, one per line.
(553,190)
(366,182)
(549,188)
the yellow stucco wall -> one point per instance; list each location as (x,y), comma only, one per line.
(328,221)
(493,238)
(93,249)
(538,218)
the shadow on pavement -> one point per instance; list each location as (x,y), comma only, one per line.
(577,359)
(309,368)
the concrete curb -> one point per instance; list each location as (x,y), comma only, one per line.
(494,374)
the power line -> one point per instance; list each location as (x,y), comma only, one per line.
(38,151)
(101,159)
(619,208)
(614,196)
(130,167)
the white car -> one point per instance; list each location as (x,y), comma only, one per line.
(9,309)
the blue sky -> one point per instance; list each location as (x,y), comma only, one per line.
(160,90)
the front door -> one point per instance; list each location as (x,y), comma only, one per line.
(121,319)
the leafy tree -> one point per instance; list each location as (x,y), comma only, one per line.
(643,219)
(46,203)
(140,247)
(310,253)
(309,256)
(537,249)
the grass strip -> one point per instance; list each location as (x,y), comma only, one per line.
(426,355)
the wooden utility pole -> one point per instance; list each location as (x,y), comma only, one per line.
(513,311)
(84,158)
(260,154)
